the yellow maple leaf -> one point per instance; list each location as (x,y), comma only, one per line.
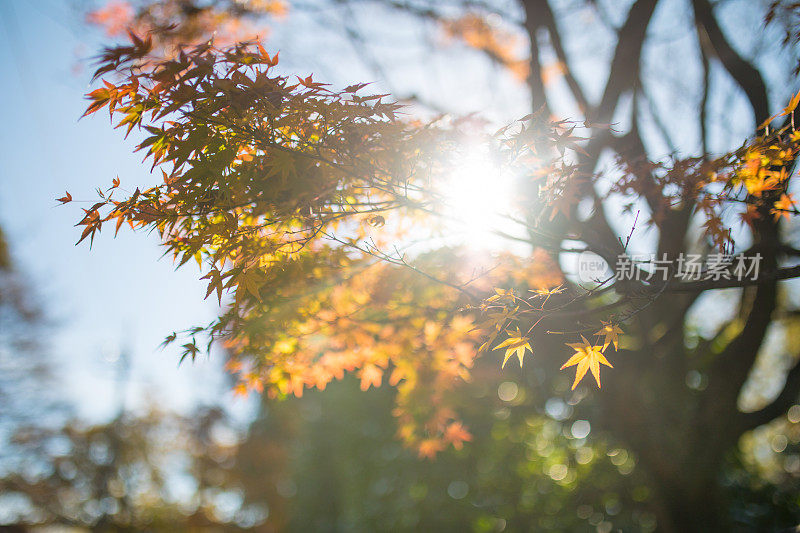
(548,292)
(587,357)
(515,344)
(611,332)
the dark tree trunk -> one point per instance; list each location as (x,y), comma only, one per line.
(680,435)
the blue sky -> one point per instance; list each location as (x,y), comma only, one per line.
(120,294)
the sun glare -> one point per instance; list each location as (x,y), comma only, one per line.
(478,197)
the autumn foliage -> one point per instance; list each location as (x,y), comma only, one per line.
(296,199)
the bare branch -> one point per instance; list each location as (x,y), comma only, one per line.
(558,47)
(788,396)
(743,73)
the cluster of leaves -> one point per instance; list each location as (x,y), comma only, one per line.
(286,193)
(482,33)
(753,180)
(275,187)
(187,21)
(504,307)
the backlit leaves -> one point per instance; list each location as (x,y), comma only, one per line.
(292,197)
(784,207)
(788,110)
(500,44)
(611,333)
(516,344)
(587,357)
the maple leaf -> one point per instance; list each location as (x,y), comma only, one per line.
(515,344)
(457,434)
(65,199)
(758,185)
(784,207)
(251,280)
(169,340)
(789,109)
(792,105)
(587,357)
(750,215)
(565,203)
(548,292)
(611,332)
(500,294)
(190,349)
(215,283)
(428,448)
(370,375)
(240,390)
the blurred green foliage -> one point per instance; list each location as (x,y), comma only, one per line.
(330,462)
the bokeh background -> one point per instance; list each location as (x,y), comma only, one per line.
(100,429)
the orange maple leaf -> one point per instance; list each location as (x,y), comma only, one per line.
(370,375)
(784,207)
(750,215)
(457,434)
(428,448)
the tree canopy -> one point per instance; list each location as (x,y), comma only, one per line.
(323,219)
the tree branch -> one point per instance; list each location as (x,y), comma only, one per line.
(535,82)
(558,47)
(788,396)
(743,73)
(625,66)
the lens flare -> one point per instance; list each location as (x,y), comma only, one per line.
(477,201)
